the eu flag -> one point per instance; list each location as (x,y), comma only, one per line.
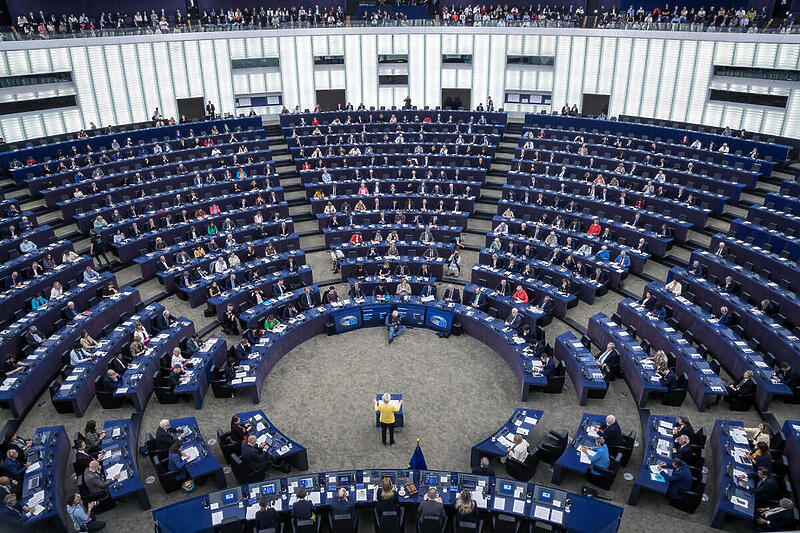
(417,461)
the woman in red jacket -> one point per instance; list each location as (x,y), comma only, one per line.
(595,228)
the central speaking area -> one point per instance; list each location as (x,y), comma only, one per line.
(456,391)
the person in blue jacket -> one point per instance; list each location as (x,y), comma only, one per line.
(600,456)
(679,481)
(177,462)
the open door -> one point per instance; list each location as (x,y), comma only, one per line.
(191,108)
(595,104)
(330,99)
(456,98)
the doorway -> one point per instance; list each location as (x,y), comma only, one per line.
(456,98)
(330,99)
(595,104)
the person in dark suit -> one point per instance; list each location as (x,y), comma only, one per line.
(70,313)
(725,317)
(612,433)
(242,349)
(254,456)
(176,461)
(548,365)
(290,311)
(306,301)
(9,486)
(33,337)
(547,305)
(766,488)
(13,513)
(117,364)
(451,294)
(682,427)
(230,322)
(165,320)
(683,449)
(503,288)
(728,286)
(252,335)
(165,435)
(478,300)
(765,307)
(667,378)
(787,375)
(744,387)
(695,270)
(649,301)
(431,506)
(14,466)
(279,289)
(598,276)
(679,481)
(356,291)
(341,505)
(514,320)
(761,456)
(776,518)
(484,469)
(302,509)
(429,290)
(238,430)
(608,360)
(266,516)
(110,381)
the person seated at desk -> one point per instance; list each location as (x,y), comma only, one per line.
(403,288)
(484,469)
(90,275)
(518,450)
(242,349)
(667,377)
(520,295)
(110,381)
(380,291)
(674,287)
(728,286)
(725,318)
(622,259)
(87,342)
(466,509)
(695,269)
(109,291)
(765,308)
(166,435)
(165,320)
(429,290)
(649,301)
(744,387)
(78,354)
(603,253)
(69,256)
(387,499)
(478,301)
(70,313)
(776,518)
(786,375)
(83,519)
(83,457)
(266,516)
(682,427)
(14,280)
(761,433)
(608,360)
(185,281)
(239,431)
(431,507)
(254,455)
(683,449)
(14,466)
(765,489)
(451,294)
(641,246)
(137,347)
(548,365)
(57,291)
(290,311)
(95,481)
(341,505)
(117,364)
(182,258)
(503,288)
(279,289)
(162,265)
(679,481)
(37,302)
(612,433)
(12,514)
(402,270)
(306,300)
(761,456)
(177,461)
(302,509)
(252,335)
(599,454)
(514,320)
(10,366)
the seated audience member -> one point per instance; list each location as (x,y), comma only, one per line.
(598,454)
(776,518)
(682,427)
(83,518)
(302,509)
(744,387)
(612,433)
(465,507)
(483,469)
(518,450)
(13,513)
(761,433)
(679,481)
(177,461)
(266,516)
(608,360)
(431,507)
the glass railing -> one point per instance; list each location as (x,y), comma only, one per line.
(13,34)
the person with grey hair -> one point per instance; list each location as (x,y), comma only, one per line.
(13,513)
(386,418)
(341,505)
(483,469)
(165,435)
(393,325)
(598,454)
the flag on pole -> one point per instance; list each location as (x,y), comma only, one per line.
(417,461)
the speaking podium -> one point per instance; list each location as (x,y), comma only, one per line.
(398,416)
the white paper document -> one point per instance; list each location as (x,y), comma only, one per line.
(541,512)
(499,503)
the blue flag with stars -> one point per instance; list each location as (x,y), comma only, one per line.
(417,461)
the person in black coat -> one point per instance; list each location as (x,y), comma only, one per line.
(302,509)
(165,320)
(514,320)
(744,387)
(649,301)
(612,433)
(242,349)
(682,427)
(341,505)
(547,306)
(787,375)
(12,513)
(683,450)
(165,435)
(388,500)
(608,360)
(230,322)
(766,488)
(668,378)
(254,457)
(117,364)
(548,365)
(266,516)
(238,430)
(777,518)
(356,291)
(478,300)
(484,469)
(306,301)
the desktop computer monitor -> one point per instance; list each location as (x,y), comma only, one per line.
(506,488)
(549,496)
(310,483)
(433,478)
(439,320)
(226,497)
(412,315)
(347,320)
(340,479)
(375,315)
(472,482)
(266,489)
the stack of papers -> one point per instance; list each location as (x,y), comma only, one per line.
(192,453)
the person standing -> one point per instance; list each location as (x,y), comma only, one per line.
(387,419)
